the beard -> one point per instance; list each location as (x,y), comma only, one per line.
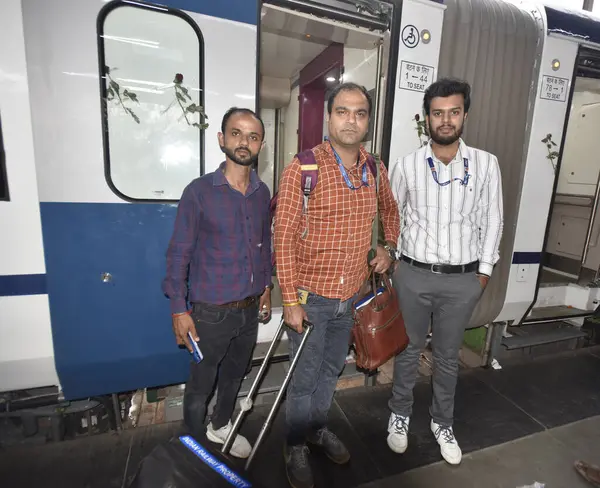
(446,139)
(241,156)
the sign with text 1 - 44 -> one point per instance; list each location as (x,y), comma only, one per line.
(554,88)
(415,77)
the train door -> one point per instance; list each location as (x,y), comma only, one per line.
(571,261)
(307,49)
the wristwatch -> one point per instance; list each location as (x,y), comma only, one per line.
(391,251)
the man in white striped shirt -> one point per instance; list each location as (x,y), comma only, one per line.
(450,201)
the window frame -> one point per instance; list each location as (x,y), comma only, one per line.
(4,190)
(104,11)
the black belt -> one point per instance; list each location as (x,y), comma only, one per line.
(443,268)
(245,303)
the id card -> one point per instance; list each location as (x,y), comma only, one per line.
(302,296)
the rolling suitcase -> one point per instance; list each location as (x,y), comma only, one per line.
(183,462)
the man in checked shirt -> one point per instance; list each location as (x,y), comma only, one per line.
(322,260)
(223,233)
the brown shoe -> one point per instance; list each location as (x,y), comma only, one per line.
(589,472)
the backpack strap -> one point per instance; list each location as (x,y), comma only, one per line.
(310,174)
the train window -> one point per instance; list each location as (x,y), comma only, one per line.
(152,88)
(4,195)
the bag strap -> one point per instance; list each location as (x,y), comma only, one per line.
(373,160)
(374,166)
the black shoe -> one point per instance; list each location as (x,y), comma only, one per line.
(297,467)
(333,447)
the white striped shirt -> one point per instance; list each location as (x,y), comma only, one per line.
(452,224)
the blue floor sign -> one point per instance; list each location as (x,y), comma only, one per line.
(218,466)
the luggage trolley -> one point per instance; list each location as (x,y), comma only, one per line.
(183,462)
(246,403)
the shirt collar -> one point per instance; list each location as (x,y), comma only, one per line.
(463,152)
(220,180)
(362,154)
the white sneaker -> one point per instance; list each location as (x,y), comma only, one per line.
(240,448)
(398,433)
(449,447)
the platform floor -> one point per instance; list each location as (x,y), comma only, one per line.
(524,423)
(546,457)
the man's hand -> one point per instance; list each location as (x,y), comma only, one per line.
(182,324)
(483,280)
(264,306)
(382,261)
(293,316)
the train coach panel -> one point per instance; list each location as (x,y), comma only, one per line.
(108,204)
(496,46)
(26,351)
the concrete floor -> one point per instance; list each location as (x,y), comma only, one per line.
(546,457)
(524,423)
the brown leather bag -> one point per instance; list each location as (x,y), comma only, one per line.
(379,332)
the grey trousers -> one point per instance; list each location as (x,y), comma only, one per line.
(450,300)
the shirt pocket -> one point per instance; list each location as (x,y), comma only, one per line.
(464,200)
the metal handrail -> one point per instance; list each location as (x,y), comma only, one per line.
(378,94)
(588,237)
(574,200)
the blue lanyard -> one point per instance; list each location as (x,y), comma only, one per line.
(463,181)
(365,181)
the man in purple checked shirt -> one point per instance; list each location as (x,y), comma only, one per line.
(223,234)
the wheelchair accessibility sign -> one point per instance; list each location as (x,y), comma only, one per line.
(410,36)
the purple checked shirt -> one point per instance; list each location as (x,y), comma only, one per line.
(224,237)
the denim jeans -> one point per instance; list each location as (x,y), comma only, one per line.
(313,383)
(227,339)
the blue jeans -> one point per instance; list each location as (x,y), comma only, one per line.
(313,383)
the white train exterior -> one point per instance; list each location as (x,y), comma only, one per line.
(97,148)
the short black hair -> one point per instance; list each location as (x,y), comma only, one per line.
(349,86)
(239,110)
(444,88)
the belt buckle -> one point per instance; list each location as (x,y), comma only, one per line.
(433,267)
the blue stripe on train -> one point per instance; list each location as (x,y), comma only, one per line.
(110,336)
(526,257)
(19,285)
(239,10)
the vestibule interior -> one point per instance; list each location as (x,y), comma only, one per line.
(573,247)
(302,58)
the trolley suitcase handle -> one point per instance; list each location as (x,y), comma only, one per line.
(246,403)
